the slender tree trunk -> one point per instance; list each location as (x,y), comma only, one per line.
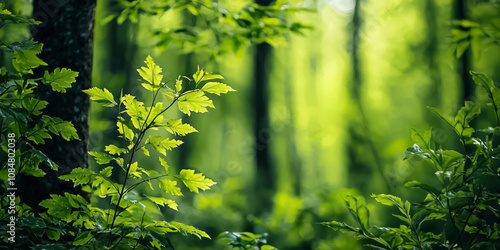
(265,178)
(464,62)
(67,34)
(361,168)
(431,51)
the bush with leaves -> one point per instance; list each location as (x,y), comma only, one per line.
(246,240)
(23,126)
(463,211)
(129,220)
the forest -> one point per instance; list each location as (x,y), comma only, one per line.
(267,124)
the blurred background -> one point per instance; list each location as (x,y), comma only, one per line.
(315,116)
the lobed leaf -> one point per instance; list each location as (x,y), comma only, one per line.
(195,181)
(102,96)
(60,79)
(176,127)
(195,101)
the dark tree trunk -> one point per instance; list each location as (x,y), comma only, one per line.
(265,177)
(67,34)
(464,61)
(431,51)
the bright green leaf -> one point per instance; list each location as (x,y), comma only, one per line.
(216,88)
(194,181)
(102,96)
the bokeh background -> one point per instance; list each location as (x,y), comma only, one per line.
(327,113)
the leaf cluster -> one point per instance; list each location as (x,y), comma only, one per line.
(219,29)
(246,240)
(131,219)
(462,212)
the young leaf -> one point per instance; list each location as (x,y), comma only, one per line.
(106,172)
(125,131)
(194,101)
(186,229)
(216,88)
(101,158)
(163,201)
(60,79)
(114,150)
(160,144)
(102,96)
(152,73)
(164,164)
(79,176)
(176,127)
(170,187)
(198,76)
(194,181)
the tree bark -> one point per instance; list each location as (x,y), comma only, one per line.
(67,34)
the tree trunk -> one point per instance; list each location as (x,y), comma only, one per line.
(265,177)
(67,34)
(360,142)
(464,61)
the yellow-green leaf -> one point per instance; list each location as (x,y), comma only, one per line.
(176,127)
(216,88)
(194,181)
(195,101)
(102,96)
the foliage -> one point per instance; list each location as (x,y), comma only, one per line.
(246,240)
(220,29)
(20,105)
(462,212)
(129,220)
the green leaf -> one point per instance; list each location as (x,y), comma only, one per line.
(176,127)
(114,150)
(216,88)
(415,150)
(33,105)
(60,79)
(63,128)
(58,206)
(170,187)
(160,144)
(106,172)
(340,226)
(25,59)
(164,164)
(80,176)
(178,85)
(82,238)
(388,200)
(488,85)
(102,96)
(152,73)
(125,131)
(198,76)
(101,158)
(268,247)
(194,101)
(186,229)
(429,189)
(163,201)
(194,181)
